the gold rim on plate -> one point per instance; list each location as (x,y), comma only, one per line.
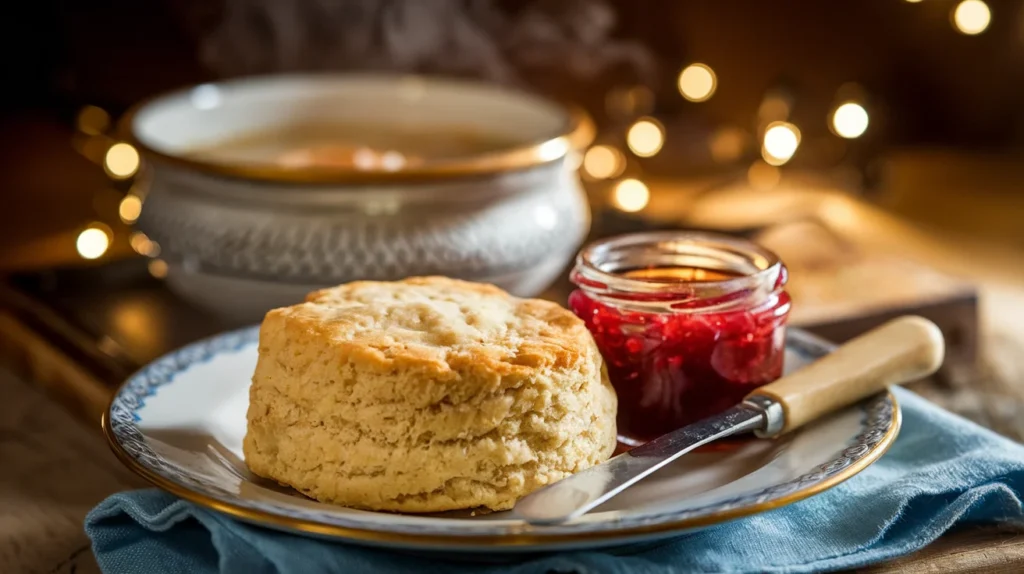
(511,539)
(578,133)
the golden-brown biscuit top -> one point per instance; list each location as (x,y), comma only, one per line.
(435,324)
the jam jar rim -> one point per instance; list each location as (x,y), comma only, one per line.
(610,286)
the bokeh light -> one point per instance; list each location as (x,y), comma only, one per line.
(121,160)
(130,208)
(603,162)
(971,17)
(850,120)
(645,137)
(631,195)
(93,241)
(158,268)
(781,140)
(697,82)
(140,243)
(92,120)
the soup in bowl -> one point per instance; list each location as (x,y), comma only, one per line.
(259,190)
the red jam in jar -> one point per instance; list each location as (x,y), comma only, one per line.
(688,324)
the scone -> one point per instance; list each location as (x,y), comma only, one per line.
(425,395)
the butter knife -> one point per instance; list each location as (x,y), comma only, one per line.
(902,350)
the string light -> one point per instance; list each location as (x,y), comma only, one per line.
(850,120)
(645,137)
(92,120)
(121,161)
(972,17)
(781,141)
(144,245)
(130,208)
(140,243)
(93,241)
(697,82)
(631,195)
(603,162)
(158,268)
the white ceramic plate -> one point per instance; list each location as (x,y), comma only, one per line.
(179,422)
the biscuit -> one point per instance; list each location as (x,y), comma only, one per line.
(426,395)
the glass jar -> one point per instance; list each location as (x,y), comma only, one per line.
(688,323)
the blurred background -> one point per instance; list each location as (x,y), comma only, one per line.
(875,144)
(930,129)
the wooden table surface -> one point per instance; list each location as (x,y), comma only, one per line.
(56,468)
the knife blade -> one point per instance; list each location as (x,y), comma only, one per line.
(575,496)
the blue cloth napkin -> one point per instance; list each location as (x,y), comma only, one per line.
(942,471)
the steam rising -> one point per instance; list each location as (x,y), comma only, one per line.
(473,38)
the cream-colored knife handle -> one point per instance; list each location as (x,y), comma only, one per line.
(900,351)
